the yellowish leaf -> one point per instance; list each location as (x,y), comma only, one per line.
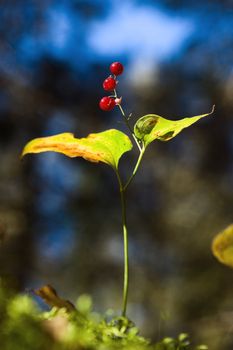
(107,146)
(222,246)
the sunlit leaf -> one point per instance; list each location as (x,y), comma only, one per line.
(107,146)
(222,246)
(153,127)
(50,297)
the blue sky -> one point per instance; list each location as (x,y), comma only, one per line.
(139,30)
(129,30)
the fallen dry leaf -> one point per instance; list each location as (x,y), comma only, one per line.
(51,298)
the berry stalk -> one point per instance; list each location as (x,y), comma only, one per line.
(107,103)
(127,123)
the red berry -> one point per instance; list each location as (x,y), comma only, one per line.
(116,68)
(107,103)
(109,84)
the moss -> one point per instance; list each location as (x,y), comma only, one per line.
(24,326)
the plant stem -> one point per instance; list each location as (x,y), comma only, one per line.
(122,189)
(129,127)
(127,123)
(126,253)
(135,168)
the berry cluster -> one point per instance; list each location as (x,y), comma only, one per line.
(107,103)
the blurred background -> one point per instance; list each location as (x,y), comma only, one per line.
(60,218)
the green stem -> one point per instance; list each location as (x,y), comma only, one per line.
(122,189)
(129,127)
(126,253)
(127,123)
(135,168)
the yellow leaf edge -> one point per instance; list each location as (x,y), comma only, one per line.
(220,242)
(29,149)
(66,143)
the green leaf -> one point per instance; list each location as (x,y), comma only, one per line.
(107,146)
(153,127)
(222,246)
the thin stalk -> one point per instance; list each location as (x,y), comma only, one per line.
(129,127)
(122,189)
(126,253)
(127,123)
(135,168)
